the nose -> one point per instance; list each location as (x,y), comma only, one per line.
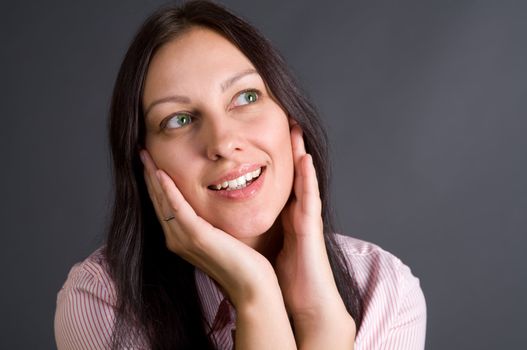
(222,138)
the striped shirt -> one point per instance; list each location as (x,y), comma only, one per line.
(394,304)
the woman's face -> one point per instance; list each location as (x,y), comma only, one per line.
(211,122)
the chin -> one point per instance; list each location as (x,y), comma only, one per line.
(249,230)
(247,227)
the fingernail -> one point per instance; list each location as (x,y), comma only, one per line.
(158,175)
(142,156)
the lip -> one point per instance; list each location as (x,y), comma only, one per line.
(243,193)
(237,172)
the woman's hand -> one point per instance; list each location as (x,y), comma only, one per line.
(303,269)
(238,268)
(246,276)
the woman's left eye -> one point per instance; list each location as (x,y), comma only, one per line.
(246,97)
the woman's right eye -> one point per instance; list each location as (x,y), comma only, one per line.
(176,121)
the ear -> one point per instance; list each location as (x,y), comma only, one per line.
(291,121)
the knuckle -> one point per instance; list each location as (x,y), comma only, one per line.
(173,206)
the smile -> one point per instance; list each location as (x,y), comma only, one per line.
(239,182)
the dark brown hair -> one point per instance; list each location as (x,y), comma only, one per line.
(156,293)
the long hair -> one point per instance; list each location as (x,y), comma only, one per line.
(156,292)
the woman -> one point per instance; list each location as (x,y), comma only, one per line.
(221,232)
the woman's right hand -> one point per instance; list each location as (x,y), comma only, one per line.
(238,268)
(245,275)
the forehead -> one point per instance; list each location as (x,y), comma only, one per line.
(197,56)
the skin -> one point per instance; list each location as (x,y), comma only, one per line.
(266,252)
(221,136)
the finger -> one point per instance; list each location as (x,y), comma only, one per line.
(297,144)
(153,186)
(166,194)
(310,198)
(153,197)
(147,171)
(180,230)
(150,169)
(185,216)
(303,164)
(306,185)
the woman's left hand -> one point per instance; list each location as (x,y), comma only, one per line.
(302,266)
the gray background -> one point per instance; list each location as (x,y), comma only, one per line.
(425,106)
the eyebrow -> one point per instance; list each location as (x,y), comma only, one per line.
(184,99)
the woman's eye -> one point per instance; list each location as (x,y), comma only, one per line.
(246,98)
(177,121)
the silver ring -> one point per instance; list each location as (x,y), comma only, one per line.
(169,218)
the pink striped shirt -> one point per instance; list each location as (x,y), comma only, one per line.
(394,305)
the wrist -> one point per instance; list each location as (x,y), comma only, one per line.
(328,325)
(257,291)
(262,321)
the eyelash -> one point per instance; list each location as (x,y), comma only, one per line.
(164,122)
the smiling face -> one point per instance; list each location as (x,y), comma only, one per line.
(212,126)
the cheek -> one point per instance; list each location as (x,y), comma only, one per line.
(277,138)
(168,157)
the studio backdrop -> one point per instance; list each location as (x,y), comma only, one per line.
(425,104)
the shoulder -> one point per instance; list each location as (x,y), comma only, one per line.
(372,265)
(91,275)
(84,312)
(393,302)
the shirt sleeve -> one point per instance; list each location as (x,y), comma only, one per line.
(84,315)
(408,330)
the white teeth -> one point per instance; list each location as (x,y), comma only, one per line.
(239,182)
